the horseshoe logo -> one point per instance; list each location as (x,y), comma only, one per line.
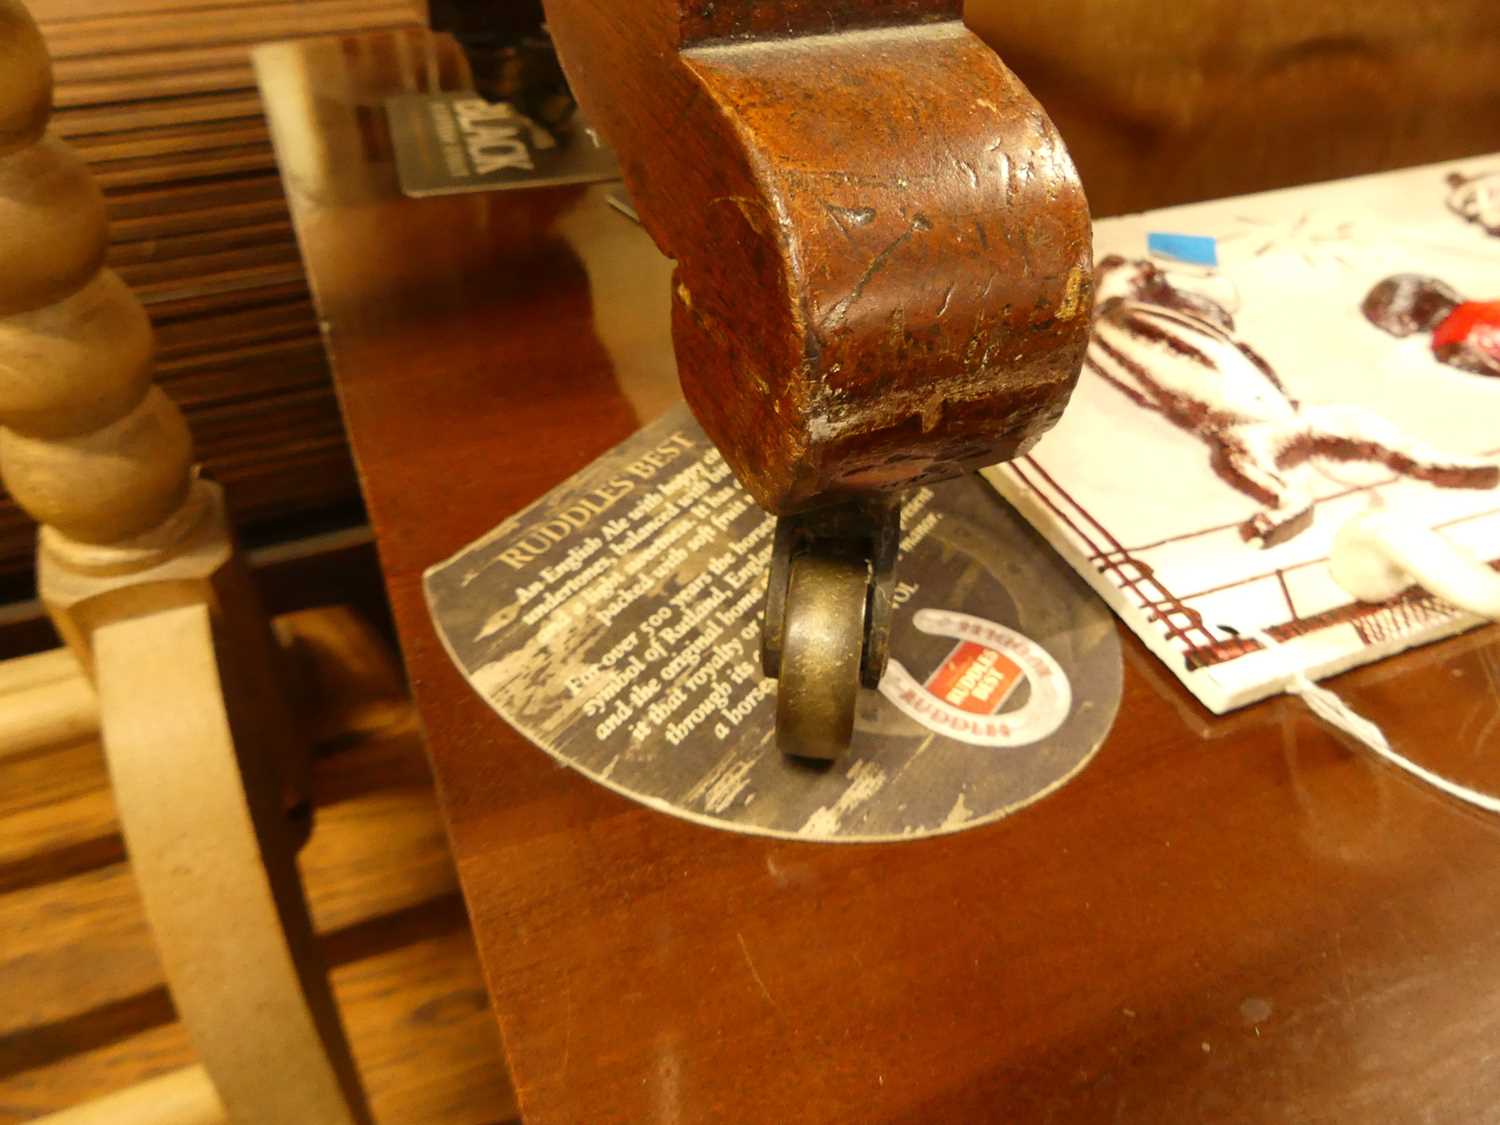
(960,700)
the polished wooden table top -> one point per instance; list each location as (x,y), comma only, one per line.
(1239,919)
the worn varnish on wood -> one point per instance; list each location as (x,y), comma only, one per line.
(883,254)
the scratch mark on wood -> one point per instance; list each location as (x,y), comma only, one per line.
(839,311)
(1008,173)
(754,211)
(1338,946)
(750,964)
(843,216)
(947,300)
(567,1051)
(932,413)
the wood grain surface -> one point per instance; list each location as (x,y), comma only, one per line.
(1229,920)
(1165,102)
(87,1012)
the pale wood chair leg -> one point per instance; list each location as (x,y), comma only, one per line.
(201,812)
(45,701)
(183,1097)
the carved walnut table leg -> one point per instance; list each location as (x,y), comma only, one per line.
(884,264)
(137,567)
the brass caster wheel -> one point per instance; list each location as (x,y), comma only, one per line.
(822,649)
(827,622)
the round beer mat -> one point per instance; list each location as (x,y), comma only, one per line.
(616,625)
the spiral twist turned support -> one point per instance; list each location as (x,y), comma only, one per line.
(138,569)
(89,447)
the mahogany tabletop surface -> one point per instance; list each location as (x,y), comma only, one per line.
(1241,919)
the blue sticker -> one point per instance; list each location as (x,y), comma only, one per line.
(1194,249)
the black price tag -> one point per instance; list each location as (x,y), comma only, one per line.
(451,143)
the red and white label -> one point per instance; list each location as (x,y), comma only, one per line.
(962,698)
(975,678)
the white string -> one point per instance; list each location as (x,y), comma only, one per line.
(1335,712)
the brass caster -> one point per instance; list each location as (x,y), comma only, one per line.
(826,631)
(822,647)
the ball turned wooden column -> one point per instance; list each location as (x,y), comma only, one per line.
(95,452)
(88,446)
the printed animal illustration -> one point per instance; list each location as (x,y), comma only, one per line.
(1177,353)
(1465,334)
(1477,199)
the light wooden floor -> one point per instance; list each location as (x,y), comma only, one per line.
(83,1007)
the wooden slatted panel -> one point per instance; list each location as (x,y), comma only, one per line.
(159,98)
